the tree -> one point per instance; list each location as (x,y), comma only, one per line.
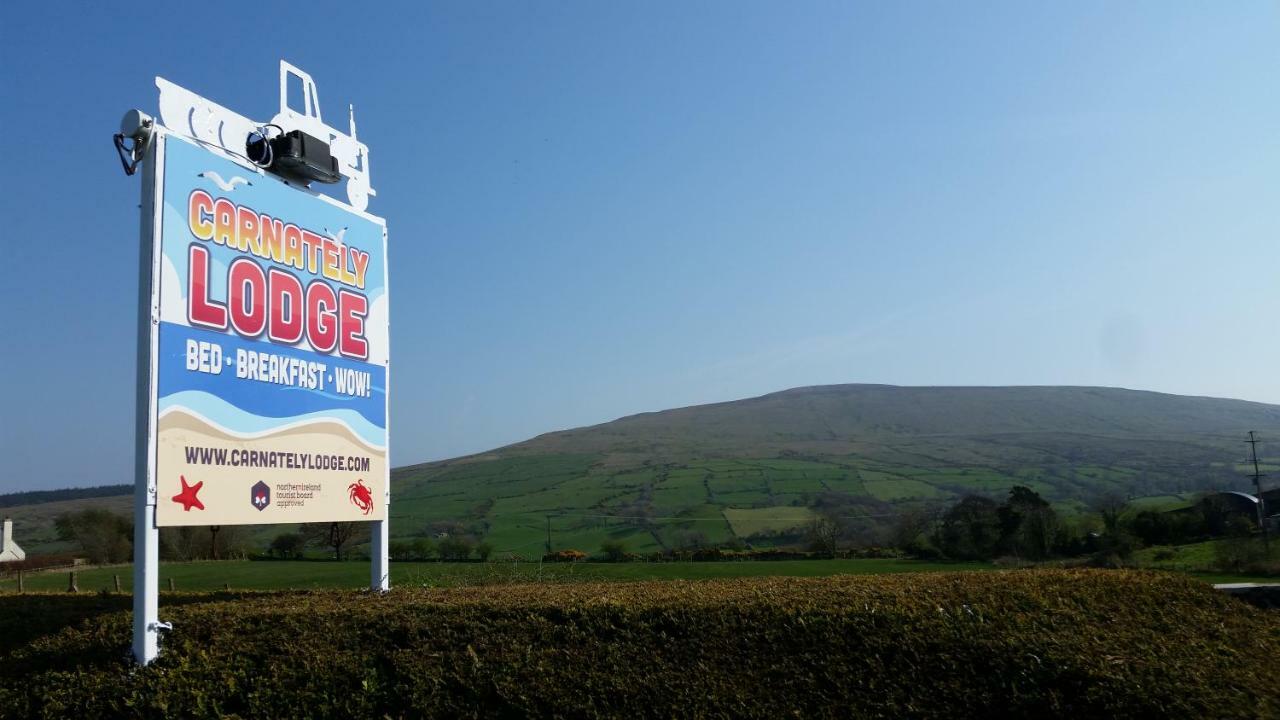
(1111,507)
(1028,525)
(336,535)
(454,548)
(102,535)
(400,550)
(288,545)
(970,530)
(232,542)
(484,550)
(1239,547)
(1215,514)
(423,548)
(690,540)
(823,535)
(908,529)
(1116,543)
(183,543)
(614,550)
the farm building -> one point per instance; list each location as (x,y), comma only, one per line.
(9,550)
(1231,503)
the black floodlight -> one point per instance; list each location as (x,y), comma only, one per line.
(295,155)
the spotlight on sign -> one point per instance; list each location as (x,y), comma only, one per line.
(295,155)
(296,144)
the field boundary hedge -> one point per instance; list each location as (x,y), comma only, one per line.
(1044,643)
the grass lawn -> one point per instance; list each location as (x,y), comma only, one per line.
(752,521)
(1191,556)
(268,575)
(282,575)
(1162,502)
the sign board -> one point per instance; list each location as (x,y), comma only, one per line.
(270,369)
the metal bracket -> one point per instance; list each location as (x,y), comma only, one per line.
(188,114)
(137,127)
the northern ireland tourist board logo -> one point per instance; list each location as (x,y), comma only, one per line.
(260,495)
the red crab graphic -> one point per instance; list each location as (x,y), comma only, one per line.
(360,496)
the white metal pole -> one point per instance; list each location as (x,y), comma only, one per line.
(380,570)
(146,538)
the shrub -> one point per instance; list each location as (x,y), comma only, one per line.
(289,545)
(565,556)
(423,548)
(401,550)
(614,550)
(454,548)
(1046,644)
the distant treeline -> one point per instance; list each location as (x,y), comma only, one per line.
(31,497)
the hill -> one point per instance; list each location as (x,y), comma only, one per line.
(752,470)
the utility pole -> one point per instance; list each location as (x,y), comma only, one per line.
(1257,487)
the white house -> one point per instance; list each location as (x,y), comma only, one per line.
(9,550)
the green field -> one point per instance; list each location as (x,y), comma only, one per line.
(750,522)
(883,486)
(303,575)
(284,575)
(1162,502)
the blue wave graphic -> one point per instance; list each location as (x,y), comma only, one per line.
(232,418)
(263,399)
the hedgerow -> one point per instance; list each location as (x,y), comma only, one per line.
(1063,643)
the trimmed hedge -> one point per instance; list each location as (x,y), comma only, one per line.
(1059,643)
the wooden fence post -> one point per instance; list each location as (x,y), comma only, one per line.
(117,581)
(21,583)
(170,584)
(71,586)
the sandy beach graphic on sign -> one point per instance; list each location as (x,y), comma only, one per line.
(229,464)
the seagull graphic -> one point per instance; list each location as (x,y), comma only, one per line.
(336,236)
(225,185)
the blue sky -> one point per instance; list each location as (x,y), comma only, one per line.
(597,209)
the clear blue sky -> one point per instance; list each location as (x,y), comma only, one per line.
(598,209)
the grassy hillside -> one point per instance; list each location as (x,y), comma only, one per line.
(33,528)
(1052,644)
(747,470)
(751,470)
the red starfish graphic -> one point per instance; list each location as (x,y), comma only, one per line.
(188,495)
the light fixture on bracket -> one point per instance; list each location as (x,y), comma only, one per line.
(294,155)
(296,145)
(136,127)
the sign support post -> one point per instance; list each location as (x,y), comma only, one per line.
(380,570)
(146,536)
(380,547)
